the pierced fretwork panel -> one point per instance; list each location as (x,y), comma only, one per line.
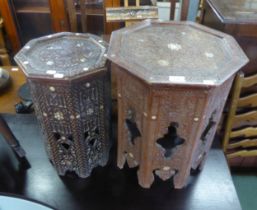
(74,120)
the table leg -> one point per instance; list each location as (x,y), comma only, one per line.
(10,138)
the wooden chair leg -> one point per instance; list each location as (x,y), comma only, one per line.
(232,108)
(5,60)
(10,138)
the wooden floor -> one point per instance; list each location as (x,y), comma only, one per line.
(108,187)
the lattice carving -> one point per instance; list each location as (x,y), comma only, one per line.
(73,119)
(69,80)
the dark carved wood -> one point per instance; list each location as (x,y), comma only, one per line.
(69,82)
(175,87)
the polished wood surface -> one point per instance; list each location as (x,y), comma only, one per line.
(9,96)
(2,44)
(184,9)
(59,19)
(109,187)
(9,24)
(4,57)
(71,12)
(109,27)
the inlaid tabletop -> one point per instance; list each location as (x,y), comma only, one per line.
(236,11)
(176,52)
(62,55)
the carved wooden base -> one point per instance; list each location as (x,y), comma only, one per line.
(166,131)
(75,120)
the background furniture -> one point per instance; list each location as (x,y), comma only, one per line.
(239,20)
(131,14)
(89,16)
(10,26)
(4,57)
(28,19)
(109,187)
(184,9)
(240,131)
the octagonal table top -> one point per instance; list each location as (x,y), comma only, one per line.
(62,55)
(176,53)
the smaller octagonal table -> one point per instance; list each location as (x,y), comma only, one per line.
(70,87)
(173,80)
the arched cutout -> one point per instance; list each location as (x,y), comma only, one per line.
(170,140)
(57,136)
(132,126)
(65,146)
(92,142)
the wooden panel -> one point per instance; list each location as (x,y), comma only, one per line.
(4,59)
(246,132)
(2,42)
(109,27)
(58,15)
(10,26)
(10,97)
(184,9)
(243,143)
(126,3)
(172,9)
(30,3)
(249,116)
(33,9)
(83,13)
(249,81)
(131,13)
(242,153)
(94,21)
(72,16)
(248,101)
(33,25)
